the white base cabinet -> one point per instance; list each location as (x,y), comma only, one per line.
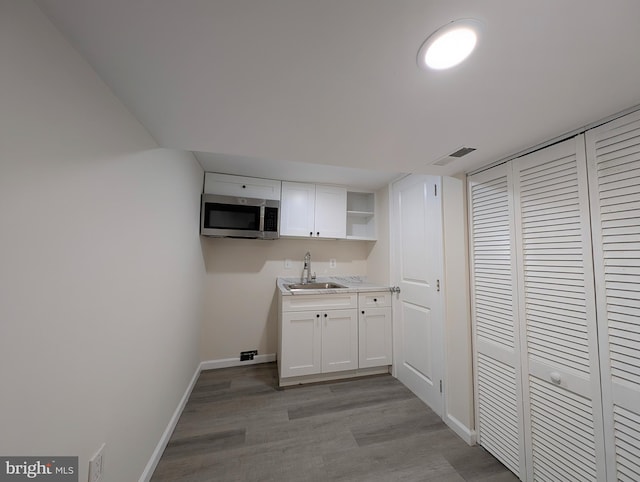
(302,337)
(375,329)
(339,340)
(319,342)
(318,334)
(333,336)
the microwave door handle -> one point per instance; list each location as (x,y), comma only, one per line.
(262,211)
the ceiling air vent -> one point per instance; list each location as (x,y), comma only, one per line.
(463,151)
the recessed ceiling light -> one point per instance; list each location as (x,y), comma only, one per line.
(449,45)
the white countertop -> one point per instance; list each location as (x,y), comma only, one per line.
(353,284)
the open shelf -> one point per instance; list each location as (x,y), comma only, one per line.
(361,216)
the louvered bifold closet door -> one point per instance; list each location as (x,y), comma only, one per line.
(562,401)
(496,339)
(613,152)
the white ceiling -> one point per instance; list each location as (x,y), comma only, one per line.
(283,88)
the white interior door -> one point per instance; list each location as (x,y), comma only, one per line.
(416,243)
(613,153)
(562,401)
(498,384)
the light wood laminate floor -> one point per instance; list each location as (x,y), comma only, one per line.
(238,426)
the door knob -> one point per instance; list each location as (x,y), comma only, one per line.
(395,289)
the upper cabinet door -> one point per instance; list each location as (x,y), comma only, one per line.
(331,212)
(297,209)
(250,187)
(313,210)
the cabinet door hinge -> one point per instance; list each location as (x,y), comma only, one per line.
(438,285)
(435,190)
(440,386)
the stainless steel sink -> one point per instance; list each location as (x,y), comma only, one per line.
(313,286)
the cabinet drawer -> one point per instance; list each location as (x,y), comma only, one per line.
(228,185)
(377,299)
(320,302)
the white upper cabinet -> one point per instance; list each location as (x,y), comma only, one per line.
(251,187)
(297,209)
(313,210)
(331,212)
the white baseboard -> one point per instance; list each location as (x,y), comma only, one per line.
(464,432)
(235,362)
(164,440)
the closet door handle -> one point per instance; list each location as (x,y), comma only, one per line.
(555,378)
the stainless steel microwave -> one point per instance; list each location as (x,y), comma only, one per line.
(239,217)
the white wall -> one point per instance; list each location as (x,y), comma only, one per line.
(458,355)
(101,266)
(240,288)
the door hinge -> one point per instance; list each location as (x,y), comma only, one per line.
(440,386)
(435,190)
(438,285)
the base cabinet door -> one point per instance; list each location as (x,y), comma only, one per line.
(339,340)
(375,337)
(301,335)
(319,342)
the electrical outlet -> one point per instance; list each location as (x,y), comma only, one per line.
(332,263)
(96,465)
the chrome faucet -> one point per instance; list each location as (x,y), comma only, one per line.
(307,277)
